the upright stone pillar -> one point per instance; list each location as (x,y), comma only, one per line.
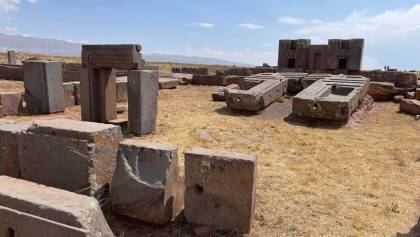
(143,89)
(44,90)
(11,56)
(98,100)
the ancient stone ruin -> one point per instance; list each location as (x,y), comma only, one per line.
(29,209)
(332,98)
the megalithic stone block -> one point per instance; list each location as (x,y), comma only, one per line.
(146,185)
(10,135)
(98,94)
(44,90)
(11,102)
(11,56)
(29,209)
(72,155)
(143,90)
(123,57)
(220,189)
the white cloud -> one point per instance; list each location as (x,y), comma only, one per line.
(10,29)
(397,23)
(9,5)
(250,26)
(291,20)
(33,1)
(203,25)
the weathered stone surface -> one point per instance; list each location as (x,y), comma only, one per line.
(143,90)
(185,78)
(334,98)
(310,79)
(220,189)
(382,91)
(98,94)
(146,185)
(10,148)
(398,98)
(410,95)
(399,79)
(417,95)
(123,57)
(11,72)
(168,83)
(71,155)
(410,106)
(11,102)
(69,90)
(257,98)
(6,121)
(77,92)
(44,87)
(219,94)
(11,57)
(29,209)
(122,95)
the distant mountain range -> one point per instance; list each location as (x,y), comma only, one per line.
(56,47)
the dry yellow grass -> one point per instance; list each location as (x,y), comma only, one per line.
(358,180)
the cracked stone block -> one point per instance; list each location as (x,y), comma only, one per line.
(29,209)
(71,155)
(146,185)
(9,148)
(220,189)
(11,102)
(44,90)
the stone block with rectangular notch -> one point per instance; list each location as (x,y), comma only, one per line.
(10,135)
(72,155)
(44,87)
(143,90)
(332,98)
(146,185)
(220,189)
(30,209)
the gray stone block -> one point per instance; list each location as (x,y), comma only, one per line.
(122,95)
(71,155)
(220,189)
(168,83)
(123,57)
(29,209)
(69,90)
(44,87)
(10,135)
(11,57)
(143,90)
(146,185)
(334,98)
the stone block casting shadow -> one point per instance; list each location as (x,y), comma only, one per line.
(314,123)
(414,232)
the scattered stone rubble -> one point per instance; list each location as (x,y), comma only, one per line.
(29,209)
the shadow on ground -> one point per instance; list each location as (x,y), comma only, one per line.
(414,232)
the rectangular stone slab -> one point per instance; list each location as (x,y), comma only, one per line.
(143,90)
(122,57)
(29,209)
(147,185)
(220,189)
(44,87)
(332,98)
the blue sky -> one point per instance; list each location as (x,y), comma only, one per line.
(241,31)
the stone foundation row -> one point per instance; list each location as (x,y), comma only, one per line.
(143,180)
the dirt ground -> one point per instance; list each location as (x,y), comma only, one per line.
(360,179)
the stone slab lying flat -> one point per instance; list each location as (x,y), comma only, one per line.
(11,102)
(219,94)
(44,90)
(334,98)
(410,106)
(220,189)
(146,185)
(10,135)
(168,83)
(29,209)
(382,91)
(71,155)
